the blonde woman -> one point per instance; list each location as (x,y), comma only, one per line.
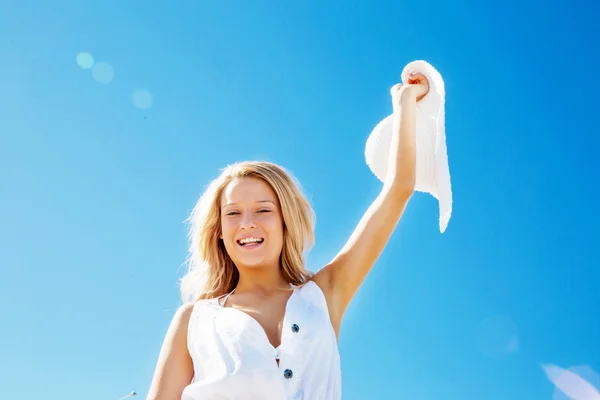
(256,324)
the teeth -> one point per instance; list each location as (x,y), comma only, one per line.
(250,240)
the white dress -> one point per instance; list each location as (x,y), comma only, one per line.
(234,360)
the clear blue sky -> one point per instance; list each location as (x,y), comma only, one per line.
(94,190)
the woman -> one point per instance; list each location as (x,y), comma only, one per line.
(256,323)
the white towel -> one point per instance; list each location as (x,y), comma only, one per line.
(433,172)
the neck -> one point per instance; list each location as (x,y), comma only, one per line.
(264,279)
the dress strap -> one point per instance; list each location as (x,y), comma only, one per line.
(225,298)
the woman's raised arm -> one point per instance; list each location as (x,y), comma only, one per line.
(341,278)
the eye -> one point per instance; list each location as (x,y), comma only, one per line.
(232,213)
(264,210)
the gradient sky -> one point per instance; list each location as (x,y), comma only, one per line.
(100,166)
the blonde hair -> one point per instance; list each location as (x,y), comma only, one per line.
(211,272)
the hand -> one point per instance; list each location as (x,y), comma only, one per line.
(416,88)
(418,85)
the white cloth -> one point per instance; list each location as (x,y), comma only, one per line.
(234,360)
(433,172)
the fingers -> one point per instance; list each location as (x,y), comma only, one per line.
(415,78)
(419,80)
(396,89)
(416,85)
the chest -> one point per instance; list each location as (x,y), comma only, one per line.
(241,342)
(269,313)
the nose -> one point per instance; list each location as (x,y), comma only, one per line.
(248,221)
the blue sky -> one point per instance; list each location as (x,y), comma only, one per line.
(95,190)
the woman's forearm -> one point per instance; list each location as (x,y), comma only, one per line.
(401,175)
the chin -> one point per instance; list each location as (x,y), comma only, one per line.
(255,261)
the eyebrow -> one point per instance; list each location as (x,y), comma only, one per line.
(259,201)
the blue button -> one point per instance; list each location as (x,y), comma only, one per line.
(295,328)
(288,374)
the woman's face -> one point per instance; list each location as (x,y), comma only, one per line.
(251,223)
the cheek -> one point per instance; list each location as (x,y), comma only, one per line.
(275,226)
(227,229)
(227,235)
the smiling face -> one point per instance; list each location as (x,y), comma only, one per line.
(251,223)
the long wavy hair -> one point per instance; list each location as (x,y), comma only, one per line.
(211,272)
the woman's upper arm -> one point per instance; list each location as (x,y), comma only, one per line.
(341,278)
(174,369)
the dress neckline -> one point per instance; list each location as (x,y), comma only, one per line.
(255,322)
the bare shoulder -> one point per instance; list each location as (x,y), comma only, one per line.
(183,314)
(178,327)
(323,280)
(174,369)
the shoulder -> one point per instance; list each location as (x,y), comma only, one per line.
(187,311)
(190,315)
(185,321)
(322,280)
(181,320)
(174,369)
(316,292)
(312,287)
(184,312)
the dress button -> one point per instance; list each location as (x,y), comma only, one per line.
(295,328)
(288,374)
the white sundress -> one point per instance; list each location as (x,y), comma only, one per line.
(234,360)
